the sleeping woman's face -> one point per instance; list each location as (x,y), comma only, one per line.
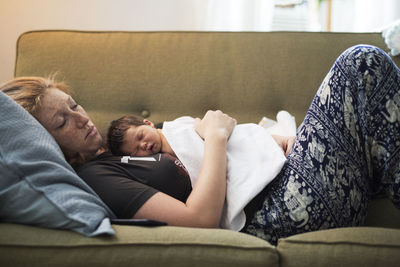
(68,123)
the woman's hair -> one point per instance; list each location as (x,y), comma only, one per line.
(116,132)
(28,91)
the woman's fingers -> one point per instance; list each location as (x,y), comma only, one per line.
(215,122)
(285,142)
(290,143)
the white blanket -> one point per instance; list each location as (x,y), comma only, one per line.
(254,159)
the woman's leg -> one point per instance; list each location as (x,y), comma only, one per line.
(347,149)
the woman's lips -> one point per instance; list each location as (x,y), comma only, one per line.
(92,131)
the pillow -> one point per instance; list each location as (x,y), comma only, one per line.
(37,185)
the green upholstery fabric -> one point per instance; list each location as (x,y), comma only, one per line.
(383,213)
(170,74)
(133,246)
(362,246)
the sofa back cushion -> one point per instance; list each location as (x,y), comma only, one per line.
(165,75)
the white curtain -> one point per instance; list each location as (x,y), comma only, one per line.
(234,15)
(373,15)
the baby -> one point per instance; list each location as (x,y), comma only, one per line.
(131,136)
(254,157)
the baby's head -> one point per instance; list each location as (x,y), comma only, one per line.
(132,136)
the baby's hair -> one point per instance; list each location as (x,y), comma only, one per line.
(116,132)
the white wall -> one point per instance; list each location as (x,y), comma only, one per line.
(18,16)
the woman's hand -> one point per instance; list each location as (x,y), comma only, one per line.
(285,142)
(215,123)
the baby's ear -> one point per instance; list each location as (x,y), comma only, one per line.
(147,122)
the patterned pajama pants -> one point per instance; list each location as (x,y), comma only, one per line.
(347,150)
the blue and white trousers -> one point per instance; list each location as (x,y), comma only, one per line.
(346,151)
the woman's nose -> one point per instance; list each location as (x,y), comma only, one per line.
(81,119)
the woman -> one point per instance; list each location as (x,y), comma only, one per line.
(78,138)
(346,150)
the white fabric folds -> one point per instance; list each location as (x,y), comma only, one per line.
(254,160)
(391,35)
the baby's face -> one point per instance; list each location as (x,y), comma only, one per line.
(143,140)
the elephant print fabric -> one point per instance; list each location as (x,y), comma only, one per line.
(346,151)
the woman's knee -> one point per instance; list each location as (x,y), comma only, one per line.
(364,57)
(366,65)
(362,51)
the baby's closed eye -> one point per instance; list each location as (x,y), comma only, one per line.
(140,135)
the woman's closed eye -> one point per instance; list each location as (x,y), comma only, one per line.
(73,107)
(62,123)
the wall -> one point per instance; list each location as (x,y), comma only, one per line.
(18,16)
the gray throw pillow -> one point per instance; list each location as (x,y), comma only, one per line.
(37,185)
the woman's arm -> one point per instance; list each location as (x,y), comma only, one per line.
(203,207)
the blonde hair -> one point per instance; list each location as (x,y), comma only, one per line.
(28,91)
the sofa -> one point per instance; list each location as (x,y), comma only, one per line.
(164,75)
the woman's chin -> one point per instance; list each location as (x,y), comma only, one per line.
(96,144)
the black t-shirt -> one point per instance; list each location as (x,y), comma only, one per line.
(125,183)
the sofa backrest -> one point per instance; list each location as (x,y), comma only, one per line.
(164,75)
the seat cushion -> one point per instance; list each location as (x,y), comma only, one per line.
(133,246)
(354,246)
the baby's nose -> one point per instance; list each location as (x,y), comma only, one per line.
(144,146)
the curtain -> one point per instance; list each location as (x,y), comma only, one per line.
(234,15)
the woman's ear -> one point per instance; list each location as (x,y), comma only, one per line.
(147,122)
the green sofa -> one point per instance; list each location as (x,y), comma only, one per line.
(163,75)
